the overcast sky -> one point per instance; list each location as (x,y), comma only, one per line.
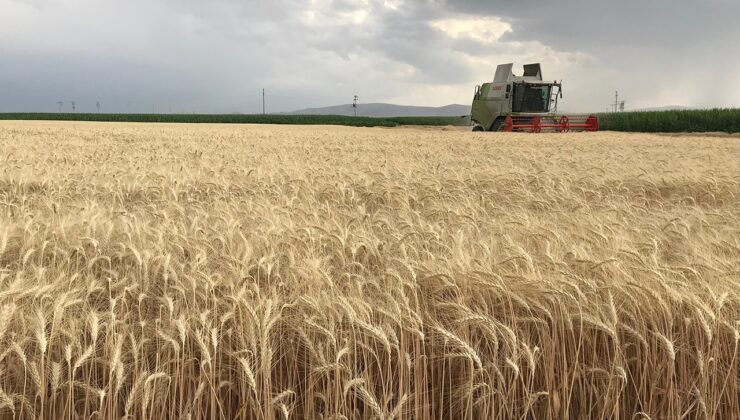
(217,55)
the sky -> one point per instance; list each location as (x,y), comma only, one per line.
(216,56)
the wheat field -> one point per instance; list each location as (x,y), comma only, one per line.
(265,272)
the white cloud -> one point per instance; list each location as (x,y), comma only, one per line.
(483,29)
(392,4)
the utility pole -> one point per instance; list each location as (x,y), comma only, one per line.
(74,106)
(97,105)
(354,104)
(617,106)
(616,100)
(263,101)
(60,103)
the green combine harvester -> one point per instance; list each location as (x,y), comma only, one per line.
(524,103)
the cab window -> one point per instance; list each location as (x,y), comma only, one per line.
(531,98)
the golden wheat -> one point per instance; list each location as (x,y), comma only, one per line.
(210,271)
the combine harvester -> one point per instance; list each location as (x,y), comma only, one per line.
(524,103)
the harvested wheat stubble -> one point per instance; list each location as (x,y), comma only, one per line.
(178,271)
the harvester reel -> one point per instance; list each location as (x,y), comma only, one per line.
(564,124)
(551,124)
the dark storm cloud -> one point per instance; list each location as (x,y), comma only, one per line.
(583,24)
(216,56)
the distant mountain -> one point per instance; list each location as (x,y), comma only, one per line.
(665,108)
(387,110)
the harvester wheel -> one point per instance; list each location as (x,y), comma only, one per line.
(478,128)
(497,125)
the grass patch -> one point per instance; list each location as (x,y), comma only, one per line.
(240,119)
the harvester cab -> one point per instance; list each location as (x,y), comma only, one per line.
(523,103)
